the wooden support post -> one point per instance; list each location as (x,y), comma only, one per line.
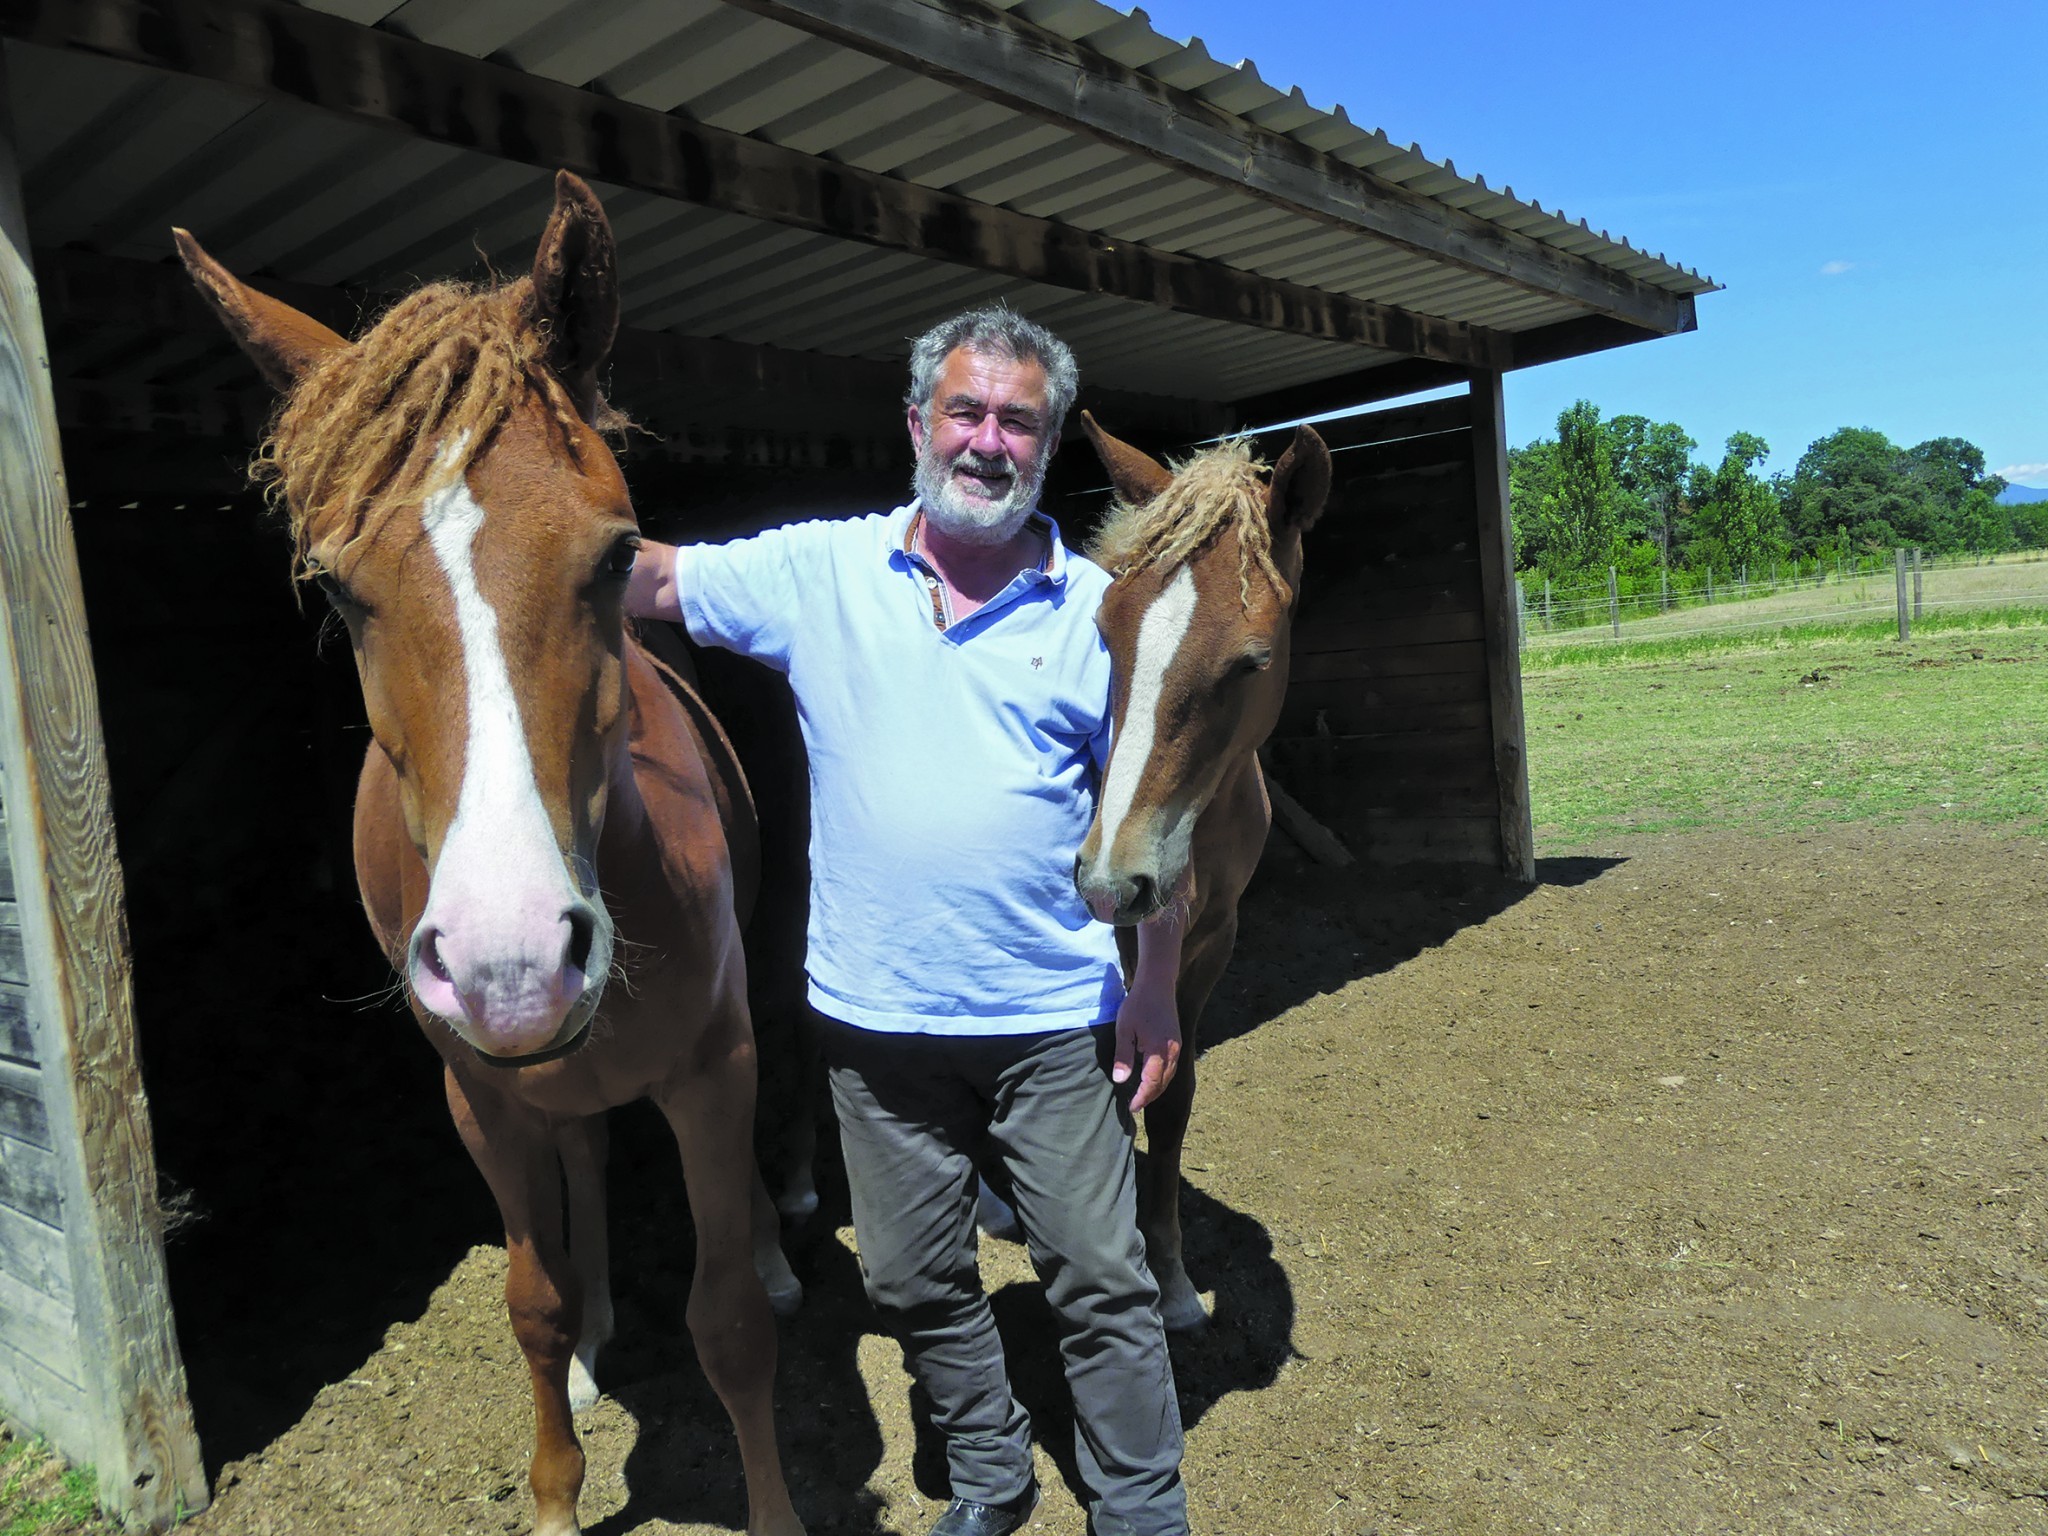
(1503,656)
(123,1408)
(1905,610)
(1613,603)
(1710,583)
(1547,614)
(1916,585)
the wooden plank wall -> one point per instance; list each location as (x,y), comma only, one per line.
(42,1379)
(1388,734)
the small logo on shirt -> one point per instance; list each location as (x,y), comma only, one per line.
(1037,662)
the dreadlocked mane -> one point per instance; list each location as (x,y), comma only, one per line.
(1217,489)
(445,365)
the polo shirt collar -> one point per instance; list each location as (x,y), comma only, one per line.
(897,531)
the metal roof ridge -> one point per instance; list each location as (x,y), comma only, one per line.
(1248,68)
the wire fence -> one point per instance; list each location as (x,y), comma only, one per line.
(1659,603)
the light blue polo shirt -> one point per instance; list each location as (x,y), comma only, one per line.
(954,772)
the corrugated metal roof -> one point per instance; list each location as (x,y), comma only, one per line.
(114,154)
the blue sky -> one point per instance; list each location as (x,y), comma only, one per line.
(1870,182)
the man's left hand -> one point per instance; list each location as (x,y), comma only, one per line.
(1147,1041)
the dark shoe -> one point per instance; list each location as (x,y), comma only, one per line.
(964,1519)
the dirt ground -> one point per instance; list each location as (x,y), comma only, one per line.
(1698,1189)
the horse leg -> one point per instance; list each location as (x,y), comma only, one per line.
(798,1201)
(1166,1130)
(993,1214)
(516,1155)
(583,1145)
(710,1107)
(771,1264)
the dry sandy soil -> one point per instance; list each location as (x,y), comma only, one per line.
(1698,1189)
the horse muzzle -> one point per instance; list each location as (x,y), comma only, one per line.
(516,992)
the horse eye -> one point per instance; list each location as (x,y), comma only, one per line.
(336,594)
(1255,661)
(619,559)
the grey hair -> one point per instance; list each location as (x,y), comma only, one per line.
(993,330)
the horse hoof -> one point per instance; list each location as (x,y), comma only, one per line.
(1181,1309)
(786,1297)
(994,1215)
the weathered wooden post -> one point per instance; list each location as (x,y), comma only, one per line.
(1546,602)
(1503,661)
(1664,588)
(88,1354)
(1613,603)
(1710,584)
(1916,584)
(1905,612)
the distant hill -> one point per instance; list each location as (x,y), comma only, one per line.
(2014,495)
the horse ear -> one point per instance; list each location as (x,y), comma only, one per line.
(1301,481)
(1138,477)
(576,289)
(282,342)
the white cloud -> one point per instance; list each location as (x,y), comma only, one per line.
(2024,474)
(1835,268)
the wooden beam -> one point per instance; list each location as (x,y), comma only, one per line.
(1526,349)
(1503,632)
(391,81)
(1001,57)
(60,830)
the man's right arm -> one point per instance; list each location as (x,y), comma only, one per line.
(651,589)
(742,595)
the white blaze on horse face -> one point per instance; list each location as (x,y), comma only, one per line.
(1160,633)
(507,944)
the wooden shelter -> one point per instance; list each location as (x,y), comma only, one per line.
(798,187)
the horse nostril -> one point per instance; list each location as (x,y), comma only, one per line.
(1141,893)
(582,932)
(430,955)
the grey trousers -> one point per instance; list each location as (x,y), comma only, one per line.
(915,1112)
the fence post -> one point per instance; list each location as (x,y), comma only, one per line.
(1664,583)
(1613,603)
(1710,584)
(1905,612)
(1546,602)
(1521,615)
(1916,583)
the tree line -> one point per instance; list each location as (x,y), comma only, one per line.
(1627,492)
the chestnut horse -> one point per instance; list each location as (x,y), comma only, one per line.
(540,798)
(1207,562)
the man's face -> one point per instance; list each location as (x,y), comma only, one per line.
(981,458)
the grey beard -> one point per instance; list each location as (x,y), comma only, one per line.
(986,523)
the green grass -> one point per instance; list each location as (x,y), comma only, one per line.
(41,1496)
(1810,726)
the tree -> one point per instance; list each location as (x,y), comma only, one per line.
(1582,515)
(1651,459)
(1738,521)
(1532,480)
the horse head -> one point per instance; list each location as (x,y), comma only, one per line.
(1207,562)
(449,492)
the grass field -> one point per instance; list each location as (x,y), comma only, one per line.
(1809,726)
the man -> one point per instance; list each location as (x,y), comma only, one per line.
(955,700)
